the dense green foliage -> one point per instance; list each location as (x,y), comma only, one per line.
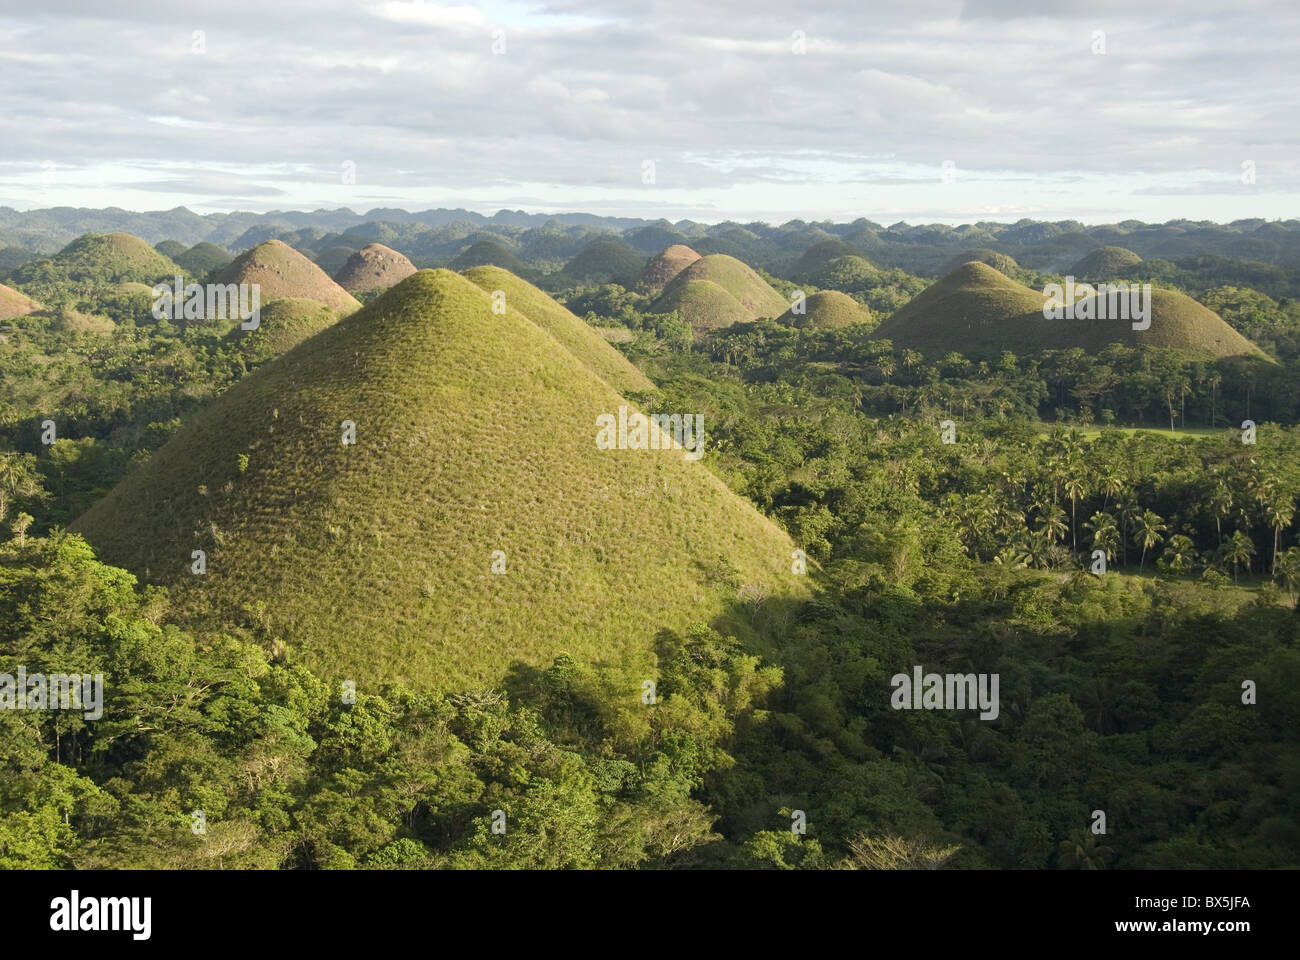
(1120,693)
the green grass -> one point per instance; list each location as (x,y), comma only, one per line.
(827,310)
(202,258)
(282,271)
(998,261)
(605,261)
(485,253)
(333,259)
(475,432)
(573,333)
(979,312)
(717,291)
(1104,263)
(100,260)
(1093,432)
(285,324)
(817,258)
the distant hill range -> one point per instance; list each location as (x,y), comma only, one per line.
(542,242)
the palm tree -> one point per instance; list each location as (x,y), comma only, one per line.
(1105,535)
(1180,553)
(1147,527)
(1128,512)
(1111,483)
(1076,487)
(1221,505)
(1051,525)
(1279,512)
(1082,851)
(1239,550)
(20,525)
(1288,569)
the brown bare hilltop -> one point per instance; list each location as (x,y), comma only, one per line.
(15,304)
(660,271)
(282,271)
(373,267)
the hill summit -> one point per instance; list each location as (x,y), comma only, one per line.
(1105,263)
(605,261)
(717,291)
(826,310)
(977,311)
(661,269)
(284,272)
(417,493)
(101,259)
(571,331)
(373,267)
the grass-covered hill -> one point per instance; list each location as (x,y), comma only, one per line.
(1105,263)
(285,323)
(998,261)
(475,433)
(170,248)
(827,310)
(488,253)
(605,261)
(15,304)
(202,258)
(817,257)
(282,271)
(373,267)
(333,258)
(97,261)
(573,333)
(661,269)
(978,311)
(717,291)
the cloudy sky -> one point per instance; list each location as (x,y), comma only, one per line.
(928,110)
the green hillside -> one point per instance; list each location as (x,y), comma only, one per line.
(285,323)
(717,291)
(170,248)
(998,261)
(827,310)
(605,261)
(373,267)
(977,311)
(571,331)
(282,271)
(488,253)
(661,269)
(475,432)
(333,259)
(1105,263)
(202,258)
(15,304)
(100,260)
(817,257)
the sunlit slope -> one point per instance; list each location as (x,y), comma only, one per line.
(475,433)
(571,331)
